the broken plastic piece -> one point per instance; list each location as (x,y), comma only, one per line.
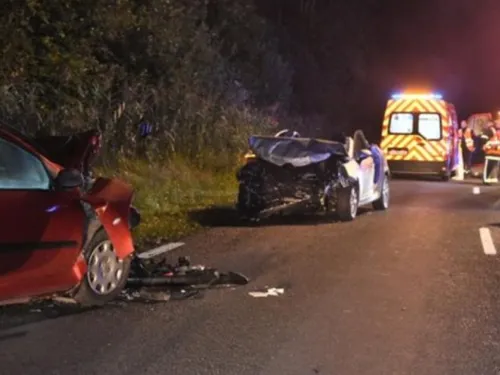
(182,280)
(274,292)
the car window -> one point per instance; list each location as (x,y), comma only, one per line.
(20,170)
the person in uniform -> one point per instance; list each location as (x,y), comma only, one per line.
(492,154)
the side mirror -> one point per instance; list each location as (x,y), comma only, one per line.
(69,179)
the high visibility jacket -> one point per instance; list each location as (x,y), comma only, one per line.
(492,147)
(467,138)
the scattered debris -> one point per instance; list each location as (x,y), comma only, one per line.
(64,300)
(180,281)
(274,292)
(476,190)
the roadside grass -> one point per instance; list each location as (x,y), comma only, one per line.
(166,193)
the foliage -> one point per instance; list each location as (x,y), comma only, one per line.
(201,72)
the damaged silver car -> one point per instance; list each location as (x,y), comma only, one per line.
(289,173)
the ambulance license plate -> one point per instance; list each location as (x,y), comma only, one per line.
(398,151)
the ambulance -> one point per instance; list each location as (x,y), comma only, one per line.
(420,135)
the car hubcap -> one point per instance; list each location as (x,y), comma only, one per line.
(354,202)
(105,269)
(385,193)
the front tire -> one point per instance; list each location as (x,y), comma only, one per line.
(106,274)
(347,203)
(248,204)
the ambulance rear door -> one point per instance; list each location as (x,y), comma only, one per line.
(419,136)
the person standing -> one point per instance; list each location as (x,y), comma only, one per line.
(466,145)
(492,155)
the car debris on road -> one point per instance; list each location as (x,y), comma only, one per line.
(152,280)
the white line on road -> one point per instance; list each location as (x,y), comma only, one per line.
(160,250)
(487,241)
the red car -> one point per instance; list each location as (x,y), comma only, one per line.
(60,231)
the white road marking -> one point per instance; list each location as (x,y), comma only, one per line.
(476,190)
(160,250)
(487,241)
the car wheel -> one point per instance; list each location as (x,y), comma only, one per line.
(248,205)
(106,274)
(347,203)
(383,202)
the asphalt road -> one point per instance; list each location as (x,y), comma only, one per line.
(407,291)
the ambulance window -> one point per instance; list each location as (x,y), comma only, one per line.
(401,123)
(429,126)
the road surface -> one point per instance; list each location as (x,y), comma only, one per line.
(407,291)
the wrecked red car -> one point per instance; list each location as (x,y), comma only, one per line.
(61,231)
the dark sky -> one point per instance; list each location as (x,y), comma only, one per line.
(448,46)
(455,50)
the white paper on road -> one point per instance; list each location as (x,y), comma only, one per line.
(274,292)
(476,190)
(160,250)
(487,241)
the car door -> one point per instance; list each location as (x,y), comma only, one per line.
(366,177)
(41,229)
(429,137)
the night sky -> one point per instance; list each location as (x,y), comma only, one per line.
(446,46)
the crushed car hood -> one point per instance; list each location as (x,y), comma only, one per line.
(298,152)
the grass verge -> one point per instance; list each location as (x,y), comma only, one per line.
(166,194)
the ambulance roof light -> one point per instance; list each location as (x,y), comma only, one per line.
(418,96)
